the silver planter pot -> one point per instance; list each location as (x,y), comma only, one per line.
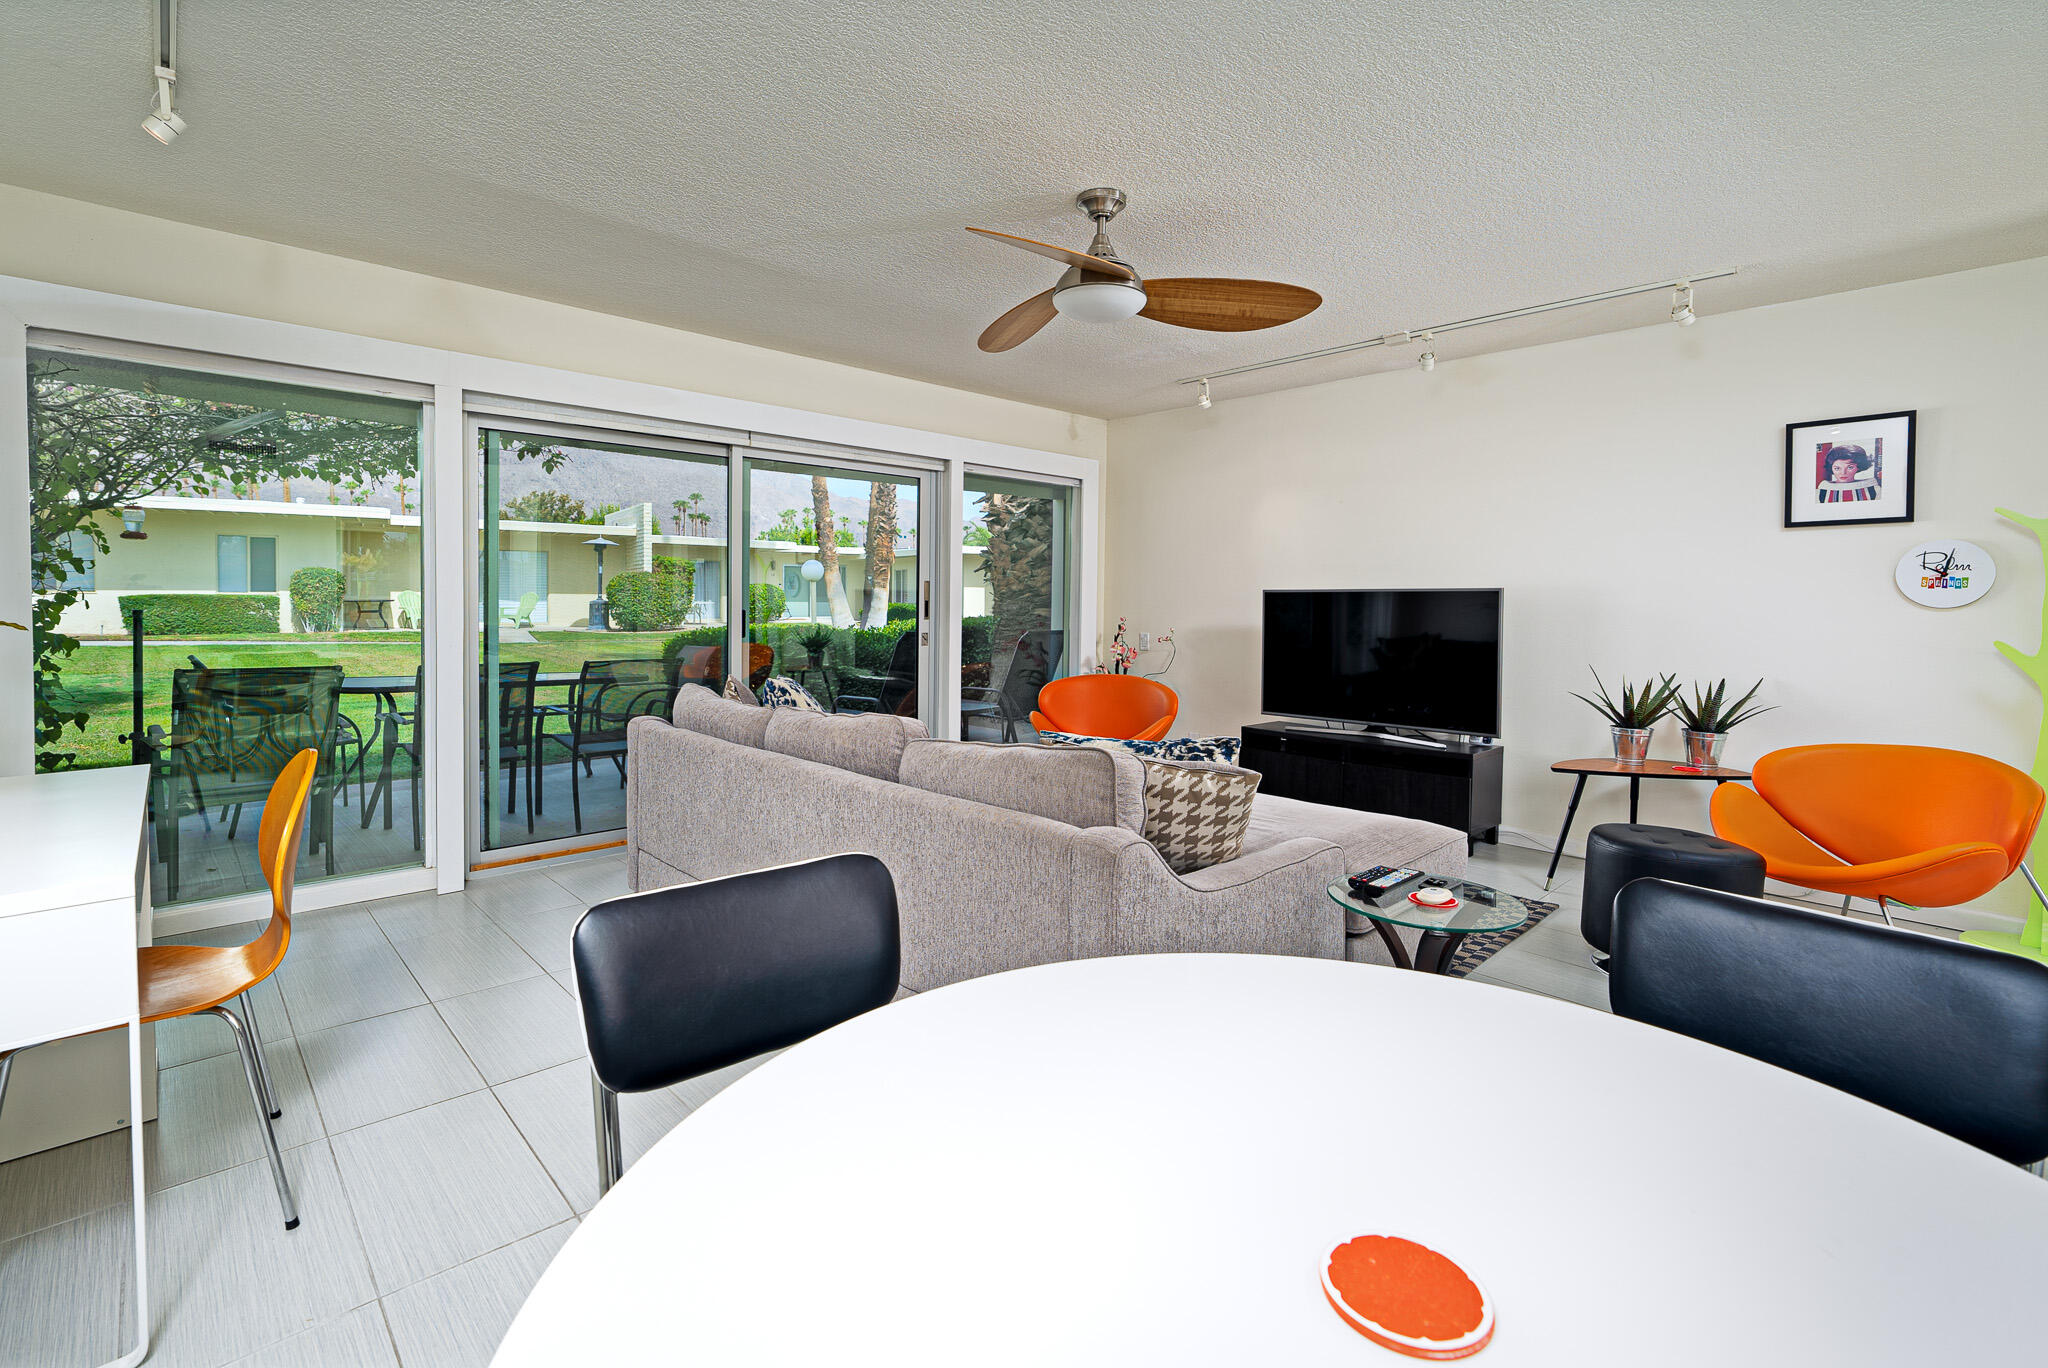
(1631,744)
(1703,749)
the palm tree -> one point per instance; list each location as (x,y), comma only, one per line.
(881,551)
(828,551)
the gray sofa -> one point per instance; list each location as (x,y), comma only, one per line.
(1004,856)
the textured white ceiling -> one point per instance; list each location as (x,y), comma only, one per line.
(797,175)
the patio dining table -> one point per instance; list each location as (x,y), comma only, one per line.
(386,689)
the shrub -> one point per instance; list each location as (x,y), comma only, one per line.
(647,601)
(902,610)
(316,598)
(977,639)
(872,646)
(176,615)
(766,602)
(689,639)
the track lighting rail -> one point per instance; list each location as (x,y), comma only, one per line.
(1395,339)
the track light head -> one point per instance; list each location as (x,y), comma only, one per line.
(1202,395)
(1681,306)
(1428,358)
(162,121)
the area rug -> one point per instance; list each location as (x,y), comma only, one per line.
(1476,948)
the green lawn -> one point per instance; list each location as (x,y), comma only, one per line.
(99,677)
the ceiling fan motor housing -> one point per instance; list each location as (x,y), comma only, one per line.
(1091,296)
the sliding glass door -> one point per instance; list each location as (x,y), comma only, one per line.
(226,572)
(837,596)
(602,586)
(1016,600)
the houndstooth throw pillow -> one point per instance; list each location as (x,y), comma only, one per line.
(1196,815)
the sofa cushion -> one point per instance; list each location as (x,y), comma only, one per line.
(699,710)
(1220,750)
(1080,786)
(780,691)
(1196,815)
(1367,838)
(866,743)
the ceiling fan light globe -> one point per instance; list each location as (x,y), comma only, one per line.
(1098,302)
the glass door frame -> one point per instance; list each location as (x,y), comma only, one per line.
(933,480)
(477,418)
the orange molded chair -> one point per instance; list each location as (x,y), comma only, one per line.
(1910,824)
(1127,707)
(184,980)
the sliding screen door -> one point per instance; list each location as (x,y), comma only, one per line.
(836,593)
(1016,601)
(601,587)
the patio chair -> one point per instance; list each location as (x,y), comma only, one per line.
(232,733)
(892,692)
(1030,667)
(522,616)
(518,734)
(606,696)
(408,601)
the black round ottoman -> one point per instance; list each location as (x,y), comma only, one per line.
(1618,853)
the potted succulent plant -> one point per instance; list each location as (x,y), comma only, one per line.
(1707,717)
(1635,715)
(817,641)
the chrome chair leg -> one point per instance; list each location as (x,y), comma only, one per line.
(6,1067)
(610,1158)
(2034,883)
(248,1001)
(250,1049)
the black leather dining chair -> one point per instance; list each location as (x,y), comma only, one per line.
(676,982)
(1954,1036)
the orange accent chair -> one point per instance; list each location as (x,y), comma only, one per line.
(185,980)
(1128,707)
(1909,824)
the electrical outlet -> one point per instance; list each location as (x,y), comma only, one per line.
(1144,641)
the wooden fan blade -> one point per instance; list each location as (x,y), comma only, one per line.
(1020,324)
(1100,265)
(1217,305)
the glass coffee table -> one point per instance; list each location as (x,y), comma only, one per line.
(1479,909)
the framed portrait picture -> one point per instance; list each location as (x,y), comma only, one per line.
(1849,471)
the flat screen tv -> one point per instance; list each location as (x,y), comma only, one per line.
(1428,659)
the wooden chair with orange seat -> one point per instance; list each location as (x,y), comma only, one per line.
(184,980)
(1128,707)
(1909,824)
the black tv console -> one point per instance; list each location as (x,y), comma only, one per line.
(1457,787)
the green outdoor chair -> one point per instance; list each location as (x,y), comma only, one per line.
(523,615)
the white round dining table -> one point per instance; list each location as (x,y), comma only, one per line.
(1145,1159)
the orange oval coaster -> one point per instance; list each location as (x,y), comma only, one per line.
(1407,1297)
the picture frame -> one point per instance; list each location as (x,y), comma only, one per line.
(1851,472)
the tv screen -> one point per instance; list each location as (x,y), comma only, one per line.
(1422,658)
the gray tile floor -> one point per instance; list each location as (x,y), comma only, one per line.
(436,1127)
(437,1124)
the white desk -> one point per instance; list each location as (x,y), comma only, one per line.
(74,904)
(1144,1160)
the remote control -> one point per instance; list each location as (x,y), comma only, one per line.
(1380,878)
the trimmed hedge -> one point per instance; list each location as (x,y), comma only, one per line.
(766,602)
(316,597)
(647,601)
(176,615)
(902,610)
(864,649)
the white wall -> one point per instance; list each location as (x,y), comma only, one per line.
(1626,491)
(70,242)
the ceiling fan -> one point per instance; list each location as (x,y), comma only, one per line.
(1100,287)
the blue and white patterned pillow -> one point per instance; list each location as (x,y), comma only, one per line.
(1220,750)
(783,692)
